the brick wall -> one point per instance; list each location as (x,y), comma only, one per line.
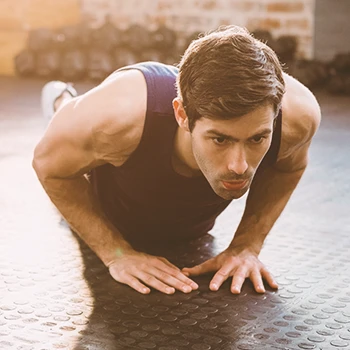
(185,16)
(17,17)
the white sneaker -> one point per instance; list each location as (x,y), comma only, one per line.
(50,93)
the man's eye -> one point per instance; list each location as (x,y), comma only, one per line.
(258,139)
(219,140)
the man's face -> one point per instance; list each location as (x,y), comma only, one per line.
(228,152)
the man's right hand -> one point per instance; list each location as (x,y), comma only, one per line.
(135,268)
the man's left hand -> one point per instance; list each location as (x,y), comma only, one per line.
(238,264)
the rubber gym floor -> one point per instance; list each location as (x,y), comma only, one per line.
(56,294)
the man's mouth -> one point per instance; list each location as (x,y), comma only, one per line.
(234,185)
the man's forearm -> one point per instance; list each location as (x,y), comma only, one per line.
(77,203)
(268,195)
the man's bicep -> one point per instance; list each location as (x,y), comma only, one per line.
(66,148)
(94,129)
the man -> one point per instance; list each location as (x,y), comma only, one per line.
(138,158)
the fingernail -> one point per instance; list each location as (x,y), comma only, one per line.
(214,286)
(236,289)
(194,285)
(170,290)
(187,289)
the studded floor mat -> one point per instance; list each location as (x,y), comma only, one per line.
(56,294)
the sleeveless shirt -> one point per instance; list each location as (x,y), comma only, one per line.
(144,197)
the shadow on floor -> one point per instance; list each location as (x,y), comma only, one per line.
(125,319)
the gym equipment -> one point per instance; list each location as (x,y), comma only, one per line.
(336,85)
(151,55)
(107,37)
(74,65)
(124,57)
(164,39)
(313,74)
(48,64)
(339,84)
(285,47)
(75,52)
(172,58)
(341,62)
(137,38)
(189,39)
(25,63)
(264,35)
(99,64)
(67,38)
(40,40)
(347,84)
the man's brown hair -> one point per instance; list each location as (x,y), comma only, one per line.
(228,73)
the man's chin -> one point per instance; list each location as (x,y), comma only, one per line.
(230,195)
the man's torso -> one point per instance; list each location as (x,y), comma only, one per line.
(144,197)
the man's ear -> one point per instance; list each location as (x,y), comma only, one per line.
(180,114)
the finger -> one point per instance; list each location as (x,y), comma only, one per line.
(137,285)
(255,277)
(220,277)
(167,262)
(179,281)
(208,266)
(155,283)
(238,279)
(269,278)
(177,274)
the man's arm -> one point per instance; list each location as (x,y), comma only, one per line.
(103,126)
(273,185)
(269,193)
(268,196)
(71,146)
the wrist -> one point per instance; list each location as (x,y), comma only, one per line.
(108,256)
(240,244)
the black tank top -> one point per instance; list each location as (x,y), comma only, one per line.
(145,198)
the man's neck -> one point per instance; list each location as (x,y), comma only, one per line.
(183,161)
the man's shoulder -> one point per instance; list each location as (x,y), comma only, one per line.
(301,116)
(119,100)
(115,111)
(159,87)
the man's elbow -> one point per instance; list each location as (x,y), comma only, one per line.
(316,120)
(39,163)
(38,168)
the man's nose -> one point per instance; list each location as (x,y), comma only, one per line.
(237,161)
